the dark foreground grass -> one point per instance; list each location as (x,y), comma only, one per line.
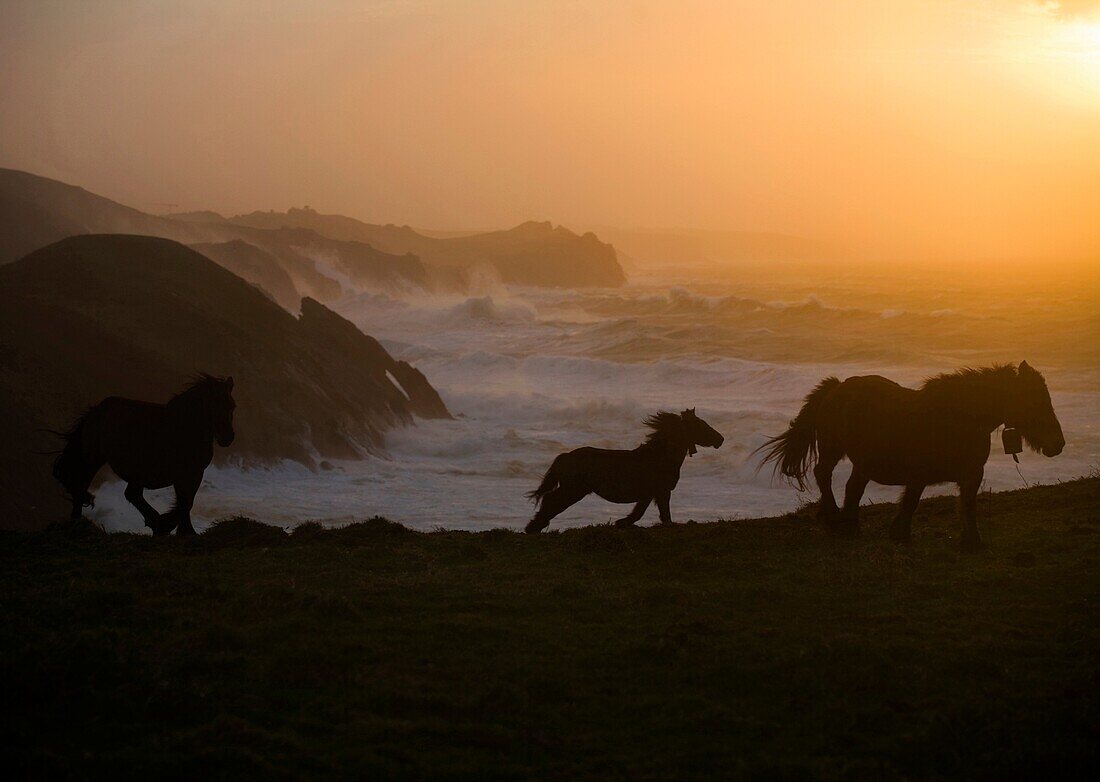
(736,649)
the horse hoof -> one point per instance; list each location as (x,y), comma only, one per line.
(624,522)
(535,526)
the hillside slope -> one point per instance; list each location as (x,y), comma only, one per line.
(258,266)
(760,649)
(97,315)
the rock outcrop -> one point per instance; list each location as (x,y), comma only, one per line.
(99,315)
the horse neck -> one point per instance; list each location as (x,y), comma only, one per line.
(981,397)
(189,412)
(667,448)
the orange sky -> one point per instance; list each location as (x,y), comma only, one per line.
(901,128)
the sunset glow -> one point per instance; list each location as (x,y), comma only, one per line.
(916,129)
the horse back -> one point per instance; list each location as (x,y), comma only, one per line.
(874,386)
(118,410)
(895,434)
(136,438)
(616,475)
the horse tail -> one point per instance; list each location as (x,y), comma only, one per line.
(70,467)
(550,481)
(794,451)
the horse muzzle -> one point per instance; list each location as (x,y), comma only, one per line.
(1055,449)
(225,440)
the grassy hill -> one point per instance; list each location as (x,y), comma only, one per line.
(737,649)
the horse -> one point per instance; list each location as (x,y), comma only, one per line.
(647,473)
(150,446)
(914,438)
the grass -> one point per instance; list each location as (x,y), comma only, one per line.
(741,649)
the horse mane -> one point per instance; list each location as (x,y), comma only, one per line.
(200,385)
(970,388)
(969,376)
(665,426)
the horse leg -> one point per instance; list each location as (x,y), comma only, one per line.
(136,495)
(553,504)
(662,507)
(634,515)
(78,489)
(185,500)
(853,493)
(827,511)
(971,540)
(901,528)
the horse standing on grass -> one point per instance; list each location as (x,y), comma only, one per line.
(648,473)
(913,438)
(150,446)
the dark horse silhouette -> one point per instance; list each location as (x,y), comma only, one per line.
(150,446)
(913,438)
(649,472)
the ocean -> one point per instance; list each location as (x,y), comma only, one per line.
(530,373)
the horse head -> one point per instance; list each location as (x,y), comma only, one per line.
(699,432)
(210,400)
(1030,411)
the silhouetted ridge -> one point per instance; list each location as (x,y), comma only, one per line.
(313,249)
(35,211)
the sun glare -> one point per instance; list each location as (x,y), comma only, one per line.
(1059,56)
(1078,42)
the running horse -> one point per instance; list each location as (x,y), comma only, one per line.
(150,446)
(646,474)
(899,436)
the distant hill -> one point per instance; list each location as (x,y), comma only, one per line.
(316,251)
(35,211)
(91,316)
(533,253)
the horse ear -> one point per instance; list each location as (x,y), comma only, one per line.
(1024,366)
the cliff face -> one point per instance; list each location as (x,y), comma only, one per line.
(99,315)
(341,336)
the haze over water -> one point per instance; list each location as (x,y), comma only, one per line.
(533,372)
